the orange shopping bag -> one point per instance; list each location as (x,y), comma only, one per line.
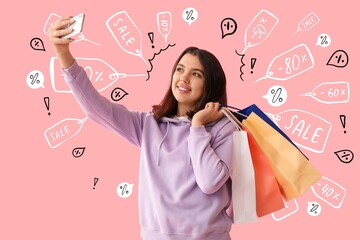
(294,173)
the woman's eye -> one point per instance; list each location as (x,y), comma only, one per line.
(197,75)
(179,69)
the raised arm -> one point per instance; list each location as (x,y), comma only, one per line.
(62,45)
(112,116)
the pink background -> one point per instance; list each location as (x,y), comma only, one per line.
(46,193)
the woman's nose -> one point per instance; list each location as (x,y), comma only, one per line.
(184,77)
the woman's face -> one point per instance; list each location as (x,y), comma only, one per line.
(187,83)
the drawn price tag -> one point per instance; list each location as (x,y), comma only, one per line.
(101,74)
(63,131)
(329,191)
(259,29)
(290,208)
(307,23)
(164,23)
(305,129)
(126,33)
(290,64)
(331,92)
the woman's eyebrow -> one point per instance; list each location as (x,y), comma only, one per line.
(194,69)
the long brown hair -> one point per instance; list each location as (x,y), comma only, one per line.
(214,87)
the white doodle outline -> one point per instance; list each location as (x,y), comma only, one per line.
(336,184)
(113,76)
(311,94)
(79,121)
(138,51)
(249,44)
(276,117)
(269,73)
(158,15)
(287,215)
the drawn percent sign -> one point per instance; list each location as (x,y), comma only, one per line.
(324,40)
(190,15)
(124,189)
(276,96)
(35,79)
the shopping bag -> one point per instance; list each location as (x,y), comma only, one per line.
(294,173)
(243,180)
(268,194)
(242,114)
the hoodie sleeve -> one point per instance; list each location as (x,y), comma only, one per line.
(112,116)
(211,159)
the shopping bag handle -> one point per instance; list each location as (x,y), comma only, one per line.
(228,106)
(232,118)
(235,108)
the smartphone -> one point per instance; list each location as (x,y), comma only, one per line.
(77,26)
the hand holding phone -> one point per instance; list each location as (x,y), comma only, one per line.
(77,26)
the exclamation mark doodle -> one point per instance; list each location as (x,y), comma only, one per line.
(95,181)
(252,64)
(151,36)
(47,104)
(343,121)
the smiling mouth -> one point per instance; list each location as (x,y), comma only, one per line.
(183,89)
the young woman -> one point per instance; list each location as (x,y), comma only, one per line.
(185,142)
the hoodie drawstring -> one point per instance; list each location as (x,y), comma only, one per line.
(161,142)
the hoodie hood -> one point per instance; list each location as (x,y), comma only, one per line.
(175,122)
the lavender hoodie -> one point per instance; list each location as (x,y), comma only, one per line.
(184,184)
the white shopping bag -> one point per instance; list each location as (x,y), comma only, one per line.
(243,177)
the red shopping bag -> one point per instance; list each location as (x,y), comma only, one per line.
(268,194)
